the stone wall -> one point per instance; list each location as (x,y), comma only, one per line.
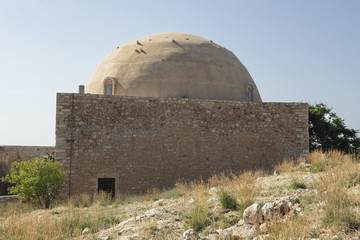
(9,154)
(153,142)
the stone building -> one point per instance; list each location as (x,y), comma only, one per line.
(167,107)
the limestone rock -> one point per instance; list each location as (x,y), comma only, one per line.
(280,208)
(190,234)
(251,234)
(86,230)
(263,228)
(269,210)
(262,237)
(212,237)
(128,229)
(253,214)
(213,190)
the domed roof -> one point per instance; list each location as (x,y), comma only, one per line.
(174,65)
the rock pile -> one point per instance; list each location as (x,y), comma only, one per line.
(254,223)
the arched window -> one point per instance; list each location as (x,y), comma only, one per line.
(109,86)
(250,93)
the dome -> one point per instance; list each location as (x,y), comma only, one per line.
(176,65)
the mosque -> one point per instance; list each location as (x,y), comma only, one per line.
(170,107)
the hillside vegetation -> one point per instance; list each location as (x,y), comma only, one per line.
(322,194)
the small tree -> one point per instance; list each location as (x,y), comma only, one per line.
(36,180)
(328,131)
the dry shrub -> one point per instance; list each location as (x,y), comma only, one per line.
(248,189)
(152,195)
(103,198)
(286,166)
(334,190)
(182,188)
(82,200)
(10,208)
(292,168)
(289,227)
(199,215)
(321,161)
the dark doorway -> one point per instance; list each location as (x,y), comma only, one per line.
(107,185)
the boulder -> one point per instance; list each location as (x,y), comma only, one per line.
(190,234)
(86,230)
(253,214)
(280,208)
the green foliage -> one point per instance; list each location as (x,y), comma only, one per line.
(36,180)
(327,131)
(228,221)
(296,185)
(153,229)
(316,168)
(108,220)
(227,201)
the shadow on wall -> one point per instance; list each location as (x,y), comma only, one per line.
(4,169)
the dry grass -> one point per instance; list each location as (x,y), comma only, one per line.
(286,166)
(243,188)
(331,204)
(334,187)
(22,221)
(199,215)
(289,228)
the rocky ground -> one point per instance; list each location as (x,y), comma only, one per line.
(165,218)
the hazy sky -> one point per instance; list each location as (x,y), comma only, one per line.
(296,51)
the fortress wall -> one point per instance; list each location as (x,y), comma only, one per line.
(153,142)
(9,154)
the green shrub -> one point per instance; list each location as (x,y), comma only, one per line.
(227,201)
(296,185)
(231,220)
(316,168)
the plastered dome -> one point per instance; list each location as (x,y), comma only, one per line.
(176,65)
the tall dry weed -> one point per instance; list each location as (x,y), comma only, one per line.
(103,198)
(286,166)
(334,191)
(152,195)
(82,200)
(199,215)
(248,188)
(289,227)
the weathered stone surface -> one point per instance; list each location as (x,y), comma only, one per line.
(190,234)
(253,214)
(86,230)
(174,65)
(281,207)
(277,172)
(251,234)
(9,154)
(144,143)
